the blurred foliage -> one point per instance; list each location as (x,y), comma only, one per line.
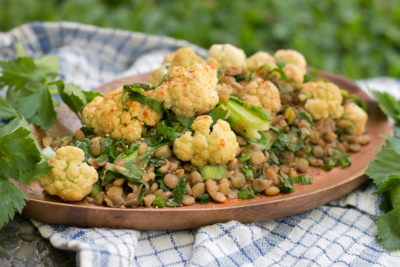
(356,38)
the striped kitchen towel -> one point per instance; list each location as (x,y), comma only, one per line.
(342,233)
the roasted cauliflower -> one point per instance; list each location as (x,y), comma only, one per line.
(188,92)
(106,116)
(184,57)
(357,116)
(228,56)
(70,179)
(204,148)
(291,57)
(259,59)
(263,94)
(322,100)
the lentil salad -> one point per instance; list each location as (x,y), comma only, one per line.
(228,127)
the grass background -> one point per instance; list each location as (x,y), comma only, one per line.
(355,38)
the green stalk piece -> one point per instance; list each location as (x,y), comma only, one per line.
(212,172)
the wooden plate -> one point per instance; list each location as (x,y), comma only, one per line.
(327,186)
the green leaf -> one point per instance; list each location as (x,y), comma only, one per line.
(6,110)
(246,194)
(72,96)
(49,64)
(136,94)
(392,182)
(203,199)
(169,132)
(338,159)
(106,144)
(265,142)
(186,121)
(163,187)
(91,95)
(283,90)
(179,191)
(386,163)
(38,106)
(258,111)
(388,104)
(286,187)
(11,200)
(386,204)
(19,72)
(307,116)
(85,145)
(389,230)
(245,155)
(19,156)
(217,113)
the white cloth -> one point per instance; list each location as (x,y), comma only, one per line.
(342,233)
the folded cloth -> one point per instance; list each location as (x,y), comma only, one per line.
(342,233)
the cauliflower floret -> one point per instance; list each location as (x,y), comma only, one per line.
(106,116)
(70,179)
(182,57)
(259,59)
(293,73)
(204,148)
(357,116)
(188,92)
(228,56)
(291,57)
(322,99)
(263,94)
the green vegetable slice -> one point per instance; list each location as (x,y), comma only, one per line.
(159,202)
(213,172)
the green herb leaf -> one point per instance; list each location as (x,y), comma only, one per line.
(338,159)
(389,230)
(49,64)
(388,104)
(17,73)
(307,116)
(11,200)
(186,121)
(217,113)
(265,142)
(246,194)
(203,199)
(163,187)
(179,191)
(85,145)
(90,95)
(245,155)
(283,90)
(300,180)
(72,96)
(6,110)
(136,94)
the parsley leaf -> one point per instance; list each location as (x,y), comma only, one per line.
(217,113)
(307,116)
(389,230)
(17,73)
(338,159)
(246,194)
(11,200)
(136,94)
(266,140)
(186,121)
(203,199)
(72,96)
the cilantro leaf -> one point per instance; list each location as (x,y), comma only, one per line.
(246,194)
(389,230)
(11,200)
(217,113)
(85,145)
(300,180)
(338,159)
(163,187)
(17,73)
